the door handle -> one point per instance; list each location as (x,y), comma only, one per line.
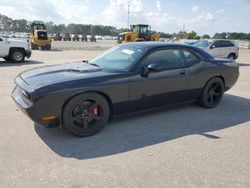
(182,72)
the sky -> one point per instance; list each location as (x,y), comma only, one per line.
(202,16)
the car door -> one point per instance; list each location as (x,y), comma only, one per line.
(228,47)
(216,49)
(198,75)
(165,86)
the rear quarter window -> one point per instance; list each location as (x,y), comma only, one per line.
(227,44)
(190,58)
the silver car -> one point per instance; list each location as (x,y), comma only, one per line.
(219,48)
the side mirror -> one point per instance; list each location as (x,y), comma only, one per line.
(154,67)
(212,46)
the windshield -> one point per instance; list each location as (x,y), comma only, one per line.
(201,44)
(121,57)
(121,37)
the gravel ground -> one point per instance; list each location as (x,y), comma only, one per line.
(73,45)
(183,146)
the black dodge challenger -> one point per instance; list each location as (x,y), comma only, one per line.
(82,96)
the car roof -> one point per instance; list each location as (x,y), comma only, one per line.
(213,40)
(155,45)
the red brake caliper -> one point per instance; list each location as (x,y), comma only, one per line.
(95,111)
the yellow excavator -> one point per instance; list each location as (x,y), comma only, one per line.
(39,36)
(138,33)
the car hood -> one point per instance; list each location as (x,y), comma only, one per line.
(49,75)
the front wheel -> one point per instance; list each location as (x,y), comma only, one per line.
(33,46)
(212,93)
(17,55)
(85,114)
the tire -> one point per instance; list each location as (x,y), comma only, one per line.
(212,93)
(17,55)
(33,46)
(49,47)
(85,114)
(232,56)
(6,58)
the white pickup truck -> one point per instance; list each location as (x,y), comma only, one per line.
(14,50)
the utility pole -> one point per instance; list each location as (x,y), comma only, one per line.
(183,27)
(128,12)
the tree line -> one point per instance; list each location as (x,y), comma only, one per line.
(9,24)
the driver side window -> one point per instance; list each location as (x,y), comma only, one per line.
(167,59)
(217,44)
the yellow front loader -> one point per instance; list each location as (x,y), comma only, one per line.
(39,36)
(138,33)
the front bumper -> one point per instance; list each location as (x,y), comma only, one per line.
(28,53)
(32,110)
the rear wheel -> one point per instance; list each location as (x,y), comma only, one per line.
(86,114)
(17,55)
(231,56)
(49,47)
(212,93)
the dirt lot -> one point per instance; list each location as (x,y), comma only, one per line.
(185,146)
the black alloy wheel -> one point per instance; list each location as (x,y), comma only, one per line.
(86,114)
(212,93)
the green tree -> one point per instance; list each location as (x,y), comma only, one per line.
(206,36)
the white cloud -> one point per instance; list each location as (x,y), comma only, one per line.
(195,8)
(73,11)
(163,22)
(46,10)
(203,21)
(158,5)
(219,11)
(116,13)
(136,6)
(204,17)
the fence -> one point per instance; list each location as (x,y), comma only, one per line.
(243,44)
